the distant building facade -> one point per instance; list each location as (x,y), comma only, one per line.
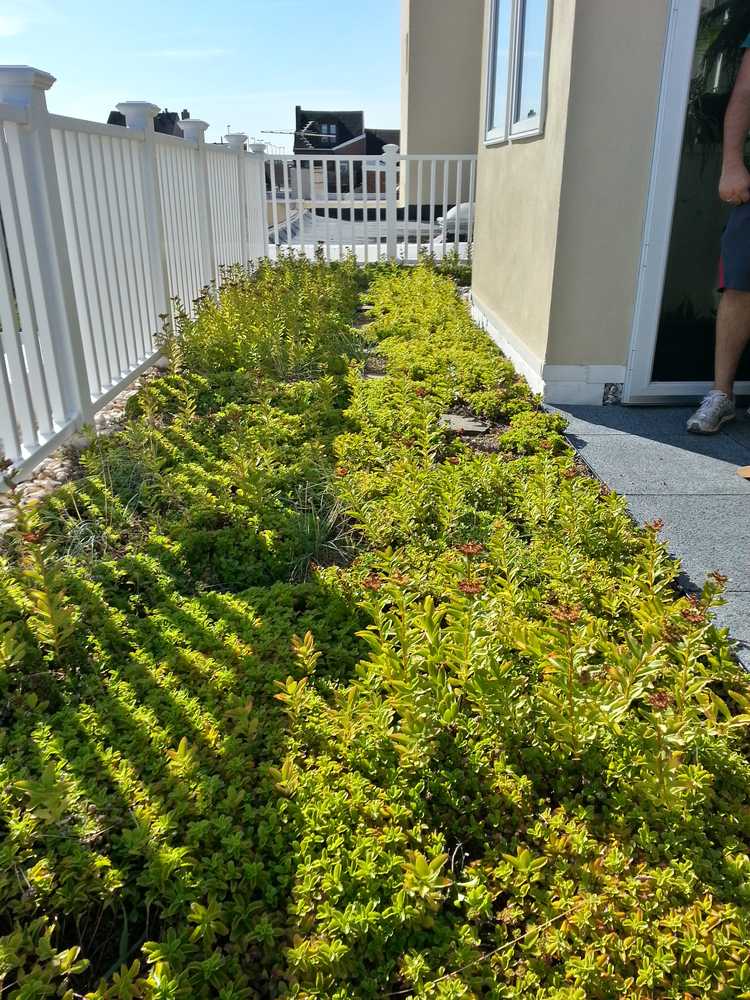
(339,132)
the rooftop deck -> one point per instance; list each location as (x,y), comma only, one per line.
(688,482)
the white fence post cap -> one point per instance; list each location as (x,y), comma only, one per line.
(138,113)
(236,140)
(390,148)
(19,83)
(192,128)
(257,147)
(25,76)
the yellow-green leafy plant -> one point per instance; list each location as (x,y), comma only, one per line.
(337,705)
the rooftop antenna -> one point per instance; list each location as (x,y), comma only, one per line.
(291,131)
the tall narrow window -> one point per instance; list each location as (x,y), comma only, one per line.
(532,53)
(517,70)
(499,74)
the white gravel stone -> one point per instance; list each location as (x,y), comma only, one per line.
(61,466)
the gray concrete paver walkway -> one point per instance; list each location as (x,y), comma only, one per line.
(689,482)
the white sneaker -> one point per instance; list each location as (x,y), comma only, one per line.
(716,410)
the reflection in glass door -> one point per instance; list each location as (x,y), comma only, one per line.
(685,342)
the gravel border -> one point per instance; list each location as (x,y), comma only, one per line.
(63,465)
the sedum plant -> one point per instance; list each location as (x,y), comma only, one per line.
(333,705)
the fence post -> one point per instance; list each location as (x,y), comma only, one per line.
(40,217)
(390,154)
(140,115)
(236,142)
(257,211)
(194,131)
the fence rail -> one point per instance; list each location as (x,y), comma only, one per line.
(103,227)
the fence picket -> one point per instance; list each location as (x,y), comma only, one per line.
(339,209)
(444,223)
(287,200)
(378,210)
(194,131)
(136,201)
(93,264)
(13,442)
(472,194)
(459,192)
(390,153)
(352,215)
(36,330)
(300,202)
(118,149)
(313,209)
(432,206)
(406,175)
(139,116)
(327,209)
(84,289)
(10,442)
(274,205)
(111,194)
(419,204)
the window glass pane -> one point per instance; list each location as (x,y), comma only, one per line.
(499,80)
(532,50)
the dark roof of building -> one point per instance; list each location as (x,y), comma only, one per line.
(166,122)
(379,137)
(349,124)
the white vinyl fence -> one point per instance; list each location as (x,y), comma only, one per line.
(102,227)
(392,205)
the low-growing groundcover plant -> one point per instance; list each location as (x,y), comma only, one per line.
(305,697)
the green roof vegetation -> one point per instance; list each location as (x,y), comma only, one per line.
(306,695)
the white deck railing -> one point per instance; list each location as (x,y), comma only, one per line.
(102,227)
(389,206)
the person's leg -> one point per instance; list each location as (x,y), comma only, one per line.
(732,337)
(732,325)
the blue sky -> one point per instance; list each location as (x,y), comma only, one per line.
(244,63)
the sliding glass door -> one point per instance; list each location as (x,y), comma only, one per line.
(676,314)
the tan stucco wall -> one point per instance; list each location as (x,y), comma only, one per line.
(441,48)
(617,59)
(518,202)
(560,218)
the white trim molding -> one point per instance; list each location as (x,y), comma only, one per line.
(677,71)
(679,393)
(556,384)
(525,363)
(580,383)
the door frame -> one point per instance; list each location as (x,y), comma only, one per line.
(677,71)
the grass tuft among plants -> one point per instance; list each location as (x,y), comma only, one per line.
(305,697)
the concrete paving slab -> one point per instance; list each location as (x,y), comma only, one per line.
(644,421)
(706,533)
(683,464)
(738,430)
(689,482)
(735,616)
